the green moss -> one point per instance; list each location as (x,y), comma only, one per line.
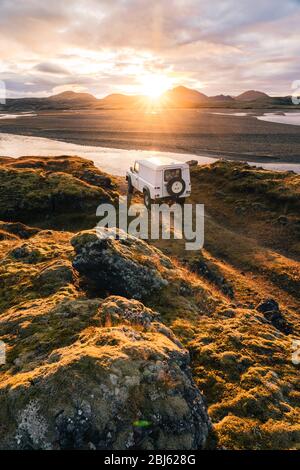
(40,192)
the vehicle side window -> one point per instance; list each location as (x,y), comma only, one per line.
(136,167)
(172,173)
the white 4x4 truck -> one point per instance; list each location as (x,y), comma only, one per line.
(160,178)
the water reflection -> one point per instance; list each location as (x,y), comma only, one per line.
(113,161)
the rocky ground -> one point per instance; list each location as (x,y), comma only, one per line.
(118,344)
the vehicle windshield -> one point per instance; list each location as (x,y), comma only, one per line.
(172,173)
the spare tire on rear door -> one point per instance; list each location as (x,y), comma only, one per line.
(176,186)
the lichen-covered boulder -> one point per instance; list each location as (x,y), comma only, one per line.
(128,267)
(125,385)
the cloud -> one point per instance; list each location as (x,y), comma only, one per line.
(103,46)
(48,67)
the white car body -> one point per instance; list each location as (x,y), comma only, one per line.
(154,174)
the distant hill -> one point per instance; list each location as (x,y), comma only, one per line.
(184,97)
(65,100)
(67,96)
(251,95)
(178,97)
(117,100)
(222,98)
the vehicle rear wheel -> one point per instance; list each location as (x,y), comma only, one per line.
(147,198)
(176,187)
(129,186)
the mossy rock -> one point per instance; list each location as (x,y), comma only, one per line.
(120,266)
(35,190)
(93,389)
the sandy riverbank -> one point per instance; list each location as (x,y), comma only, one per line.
(197,132)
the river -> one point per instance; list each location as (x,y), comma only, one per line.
(113,161)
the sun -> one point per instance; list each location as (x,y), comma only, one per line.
(153,85)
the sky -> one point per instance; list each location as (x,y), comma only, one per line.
(122,46)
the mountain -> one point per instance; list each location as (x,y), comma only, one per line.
(183,97)
(178,97)
(187,93)
(68,96)
(118,100)
(65,100)
(251,95)
(222,98)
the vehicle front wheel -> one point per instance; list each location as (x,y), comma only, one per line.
(147,198)
(129,186)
